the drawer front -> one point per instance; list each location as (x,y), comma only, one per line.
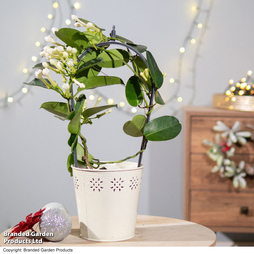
(201,177)
(202,128)
(222,209)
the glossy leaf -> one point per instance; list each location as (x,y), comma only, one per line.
(162,128)
(88,65)
(90,72)
(37,82)
(73,38)
(92,111)
(140,48)
(133,91)
(94,38)
(158,98)
(114,58)
(70,162)
(154,70)
(135,127)
(99,81)
(57,108)
(74,125)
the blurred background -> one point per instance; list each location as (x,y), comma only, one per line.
(199,45)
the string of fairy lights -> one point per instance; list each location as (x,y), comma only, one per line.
(201,24)
(56,14)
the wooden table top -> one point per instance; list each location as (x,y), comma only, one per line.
(150,231)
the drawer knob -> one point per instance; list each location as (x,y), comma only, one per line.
(244,210)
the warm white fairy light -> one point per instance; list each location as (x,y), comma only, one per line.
(50,16)
(171,80)
(249,73)
(134,110)
(10,99)
(182,49)
(91,97)
(67,22)
(25,70)
(193,41)
(199,25)
(231,81)
(194,8)
(121,104)
(24,90)
(55,5)
(76,5)
(38,44)
(34,58)
(110,101)
(179,99)
(43,29)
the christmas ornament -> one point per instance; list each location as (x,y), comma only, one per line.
(55,219)
(54,223)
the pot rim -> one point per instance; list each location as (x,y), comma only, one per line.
(117,169)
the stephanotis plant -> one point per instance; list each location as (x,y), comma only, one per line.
(80,59)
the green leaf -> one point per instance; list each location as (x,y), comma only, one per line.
(92,111)
(90,72)
(70,162)
(140,48)
(73,38)
(99,81)
(88,65)
(133,91)
(158,98)
(154,70)
(73,141)
(162,128)
(37,82)
(80,153)
(57,108)
(94,38)
(74,125)
(114,58)
(135,127)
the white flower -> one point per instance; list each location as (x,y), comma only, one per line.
(45,72)
(74,51)
(49,39)
(60,48)
(74,17)
(38,74)
(65,54)
(70,63)
(45,64)
(66,86)
(90,25)
(81,85)
(59,66)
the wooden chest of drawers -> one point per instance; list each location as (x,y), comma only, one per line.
(210,200)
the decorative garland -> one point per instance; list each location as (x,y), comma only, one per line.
(223,151)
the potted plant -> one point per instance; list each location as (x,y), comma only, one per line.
(107,192)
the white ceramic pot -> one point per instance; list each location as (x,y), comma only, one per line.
(107,201)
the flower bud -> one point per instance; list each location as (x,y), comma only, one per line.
(90,25)
(59,65)
(60,48)
(69,48)
(53,62)
(49,39)
(77,24)
(65,54)
(74,51)
(70,63)
(66,86)
(38,74)
(45,64)
(45,72)
(74,17)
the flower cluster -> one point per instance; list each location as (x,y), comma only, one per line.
(222,151)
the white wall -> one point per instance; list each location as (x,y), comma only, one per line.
(33,146)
